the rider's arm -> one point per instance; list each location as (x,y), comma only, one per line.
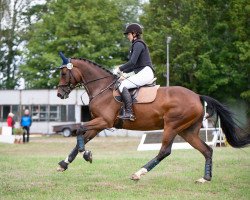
(131,64)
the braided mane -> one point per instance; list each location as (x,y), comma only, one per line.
(98,65)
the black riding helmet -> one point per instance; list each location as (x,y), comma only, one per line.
(134,28)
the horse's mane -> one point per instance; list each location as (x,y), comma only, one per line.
(94,63)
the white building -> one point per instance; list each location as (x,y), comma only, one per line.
(45,108)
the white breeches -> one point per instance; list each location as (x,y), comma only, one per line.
(143,77)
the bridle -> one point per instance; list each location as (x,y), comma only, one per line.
(69,86)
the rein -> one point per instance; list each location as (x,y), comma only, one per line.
(96,80)
(103,90)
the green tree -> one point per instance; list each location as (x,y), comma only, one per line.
(12,25)
(181,20)
(209,52)
(229,46)
(89,29)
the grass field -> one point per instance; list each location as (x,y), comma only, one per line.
(28,171)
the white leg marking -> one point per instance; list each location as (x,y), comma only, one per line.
(202,180)
(67,160)
(136,176)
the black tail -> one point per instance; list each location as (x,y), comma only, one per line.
(228,124)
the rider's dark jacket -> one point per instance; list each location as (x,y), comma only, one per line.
(138,58)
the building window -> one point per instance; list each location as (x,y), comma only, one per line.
(6,109)
(71,113)
(54,114)
(40,113)
(35,113)
(63,113)
(44,113)
(57,113)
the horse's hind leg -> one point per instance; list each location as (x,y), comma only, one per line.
(168,138)
(191,135)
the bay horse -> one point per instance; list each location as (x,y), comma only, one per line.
(176,110)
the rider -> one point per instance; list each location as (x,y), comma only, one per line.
(139,63)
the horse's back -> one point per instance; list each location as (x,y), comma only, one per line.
(178,94)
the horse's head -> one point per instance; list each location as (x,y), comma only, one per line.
(69,77)
(93,77)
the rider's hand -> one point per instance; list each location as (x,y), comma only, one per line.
(117,71)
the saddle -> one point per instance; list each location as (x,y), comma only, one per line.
(144,94)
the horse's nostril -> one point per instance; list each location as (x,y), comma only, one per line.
(59,95)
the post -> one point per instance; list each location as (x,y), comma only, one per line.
(168,42)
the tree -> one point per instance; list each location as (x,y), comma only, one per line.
(209,48)
(12,24)
(84,29)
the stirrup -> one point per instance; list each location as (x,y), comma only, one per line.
(130,117)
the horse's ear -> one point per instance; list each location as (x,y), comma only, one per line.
(64,59)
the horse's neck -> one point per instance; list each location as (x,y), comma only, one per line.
(95,78)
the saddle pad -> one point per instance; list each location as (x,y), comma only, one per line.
(144,95)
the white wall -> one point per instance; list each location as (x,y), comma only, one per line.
(9,97)
(34,97)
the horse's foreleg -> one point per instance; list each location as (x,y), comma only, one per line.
(87,155)
(84,134)
(97,124)
(87,132)
(80,147)
(93,127)
(63,165)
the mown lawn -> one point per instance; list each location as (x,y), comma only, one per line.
(28,171)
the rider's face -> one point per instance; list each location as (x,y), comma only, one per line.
(130,37)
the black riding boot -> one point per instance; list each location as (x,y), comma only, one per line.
(127,100)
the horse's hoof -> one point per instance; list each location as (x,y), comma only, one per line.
(135,177)
(60,169)
(87,155)
(62,166)
(202,180)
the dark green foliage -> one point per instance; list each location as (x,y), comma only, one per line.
(88,29)
(209,52)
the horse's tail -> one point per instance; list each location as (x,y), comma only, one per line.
(228,123)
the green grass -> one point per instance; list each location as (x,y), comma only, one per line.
(28,171)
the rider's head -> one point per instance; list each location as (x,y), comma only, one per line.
(135,29)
